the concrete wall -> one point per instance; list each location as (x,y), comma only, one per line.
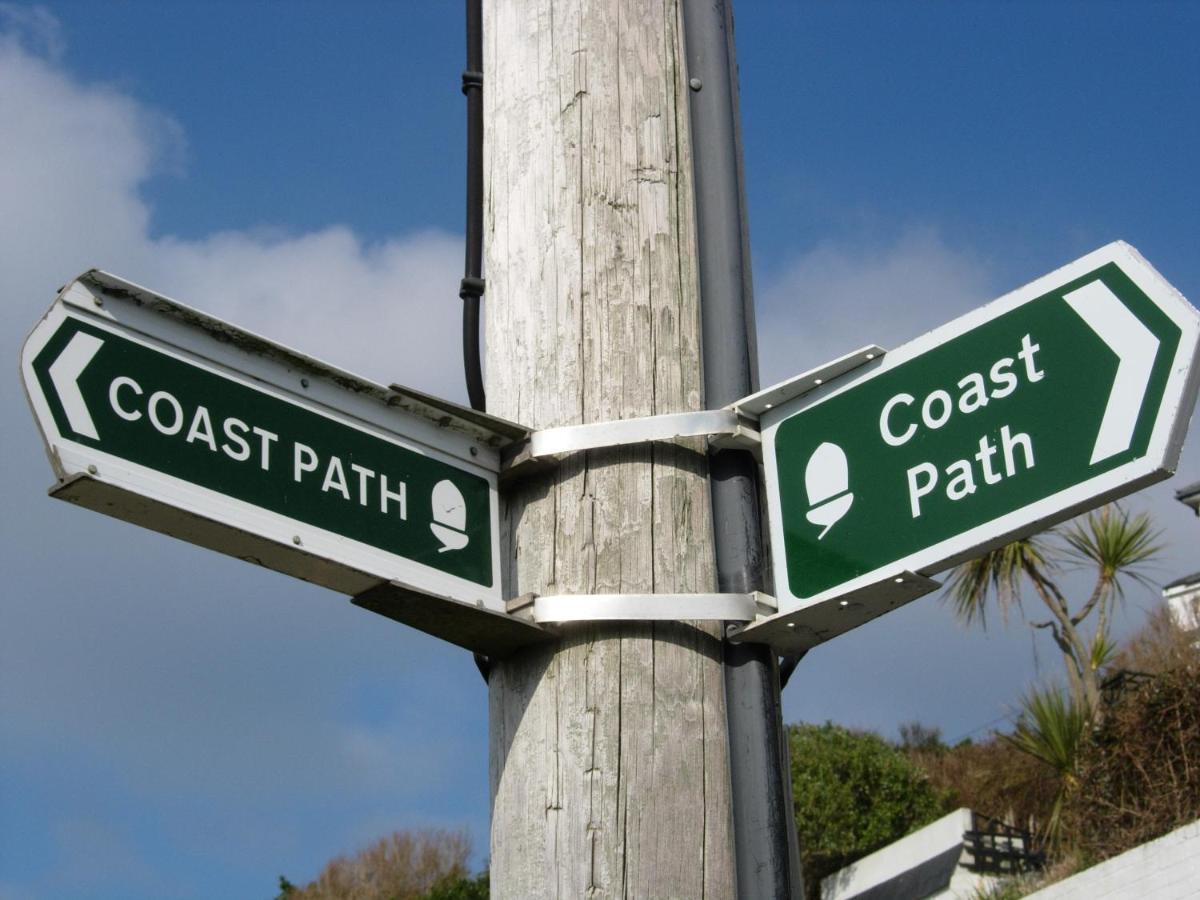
(927,863)
(1165,869)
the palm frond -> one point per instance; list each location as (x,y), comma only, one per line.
(1118,545)
(1052,728)
(998,573)
(1103,651)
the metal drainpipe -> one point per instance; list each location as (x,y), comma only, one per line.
(764,831)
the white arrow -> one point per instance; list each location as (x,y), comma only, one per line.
(1136,349)
(65,372)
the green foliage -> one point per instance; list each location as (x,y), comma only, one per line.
(405,865)
(1139,773)
(1099,785)
(993,778)
(916,737)
(999,573)
(1052,729)
(286,888)
(1116,544)
(853,793)
(476,888)
(1007,889)
(1103,651)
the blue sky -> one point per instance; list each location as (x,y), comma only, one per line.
(178,724)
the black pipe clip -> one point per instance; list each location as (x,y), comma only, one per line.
(471,80)
(471,287)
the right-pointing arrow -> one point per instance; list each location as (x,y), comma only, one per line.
(64,374)
(1136,349)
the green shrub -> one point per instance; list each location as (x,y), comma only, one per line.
(853,792)
(461,889)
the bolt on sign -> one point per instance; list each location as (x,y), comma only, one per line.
(1067,393)
(160,415)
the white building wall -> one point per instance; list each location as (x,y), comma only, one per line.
(1165,869)
(1184,603)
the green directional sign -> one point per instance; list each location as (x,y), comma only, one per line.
(1051,400)
(218,424)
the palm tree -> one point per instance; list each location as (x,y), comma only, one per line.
(1051,728)
(1117,545)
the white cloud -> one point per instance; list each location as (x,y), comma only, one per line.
(35,26)
(838,297)
(72,164)
(388,311)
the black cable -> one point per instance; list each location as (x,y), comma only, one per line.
(472,287)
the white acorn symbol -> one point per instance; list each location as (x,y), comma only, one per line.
(826,479)
(449,516)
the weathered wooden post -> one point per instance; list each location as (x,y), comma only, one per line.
(609,751)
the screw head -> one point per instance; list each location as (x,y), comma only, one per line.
(304,382)
(296,539)
(99,301)
(695,84)
(92,470)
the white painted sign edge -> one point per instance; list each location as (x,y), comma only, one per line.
(70,458)
(181,327)
(1162,454)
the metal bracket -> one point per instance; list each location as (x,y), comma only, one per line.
(798,630)
(732,427)
(755,405)
(723,427)
(485,631)
(573,438)
(651,607)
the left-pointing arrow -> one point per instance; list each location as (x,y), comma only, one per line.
(64,374)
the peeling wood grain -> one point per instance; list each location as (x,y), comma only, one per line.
(609,757)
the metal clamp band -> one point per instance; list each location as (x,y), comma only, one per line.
(733,426)
(651,607)
(573,438)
